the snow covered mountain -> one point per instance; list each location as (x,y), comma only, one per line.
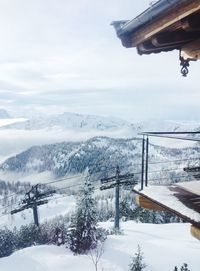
(96,154)
(73,121)
(80,122)
(100,155)
(43,129)
(18,136)
(92,141)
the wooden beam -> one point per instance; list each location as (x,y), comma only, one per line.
(174,38)
(167,41)
(148,204)
(164,22)
(191,51)
(195,232)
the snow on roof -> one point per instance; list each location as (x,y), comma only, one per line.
(193,186)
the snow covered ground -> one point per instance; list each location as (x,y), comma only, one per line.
(164,247)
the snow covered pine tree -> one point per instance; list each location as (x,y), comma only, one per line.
(7,242)
(137,263)
(82,234)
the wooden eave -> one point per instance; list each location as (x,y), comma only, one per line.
(169,30)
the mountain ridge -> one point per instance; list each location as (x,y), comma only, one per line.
(99,155)
(72,121)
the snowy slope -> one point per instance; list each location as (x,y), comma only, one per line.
(164,247)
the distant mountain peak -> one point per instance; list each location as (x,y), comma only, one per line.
(74,121)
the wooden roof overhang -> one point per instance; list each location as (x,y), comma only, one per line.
(167,25)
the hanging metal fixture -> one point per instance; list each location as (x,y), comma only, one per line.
(184,66)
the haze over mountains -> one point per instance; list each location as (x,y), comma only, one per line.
(78,139)
(99,155)
(19,135)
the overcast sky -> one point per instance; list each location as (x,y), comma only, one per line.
(63,55)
